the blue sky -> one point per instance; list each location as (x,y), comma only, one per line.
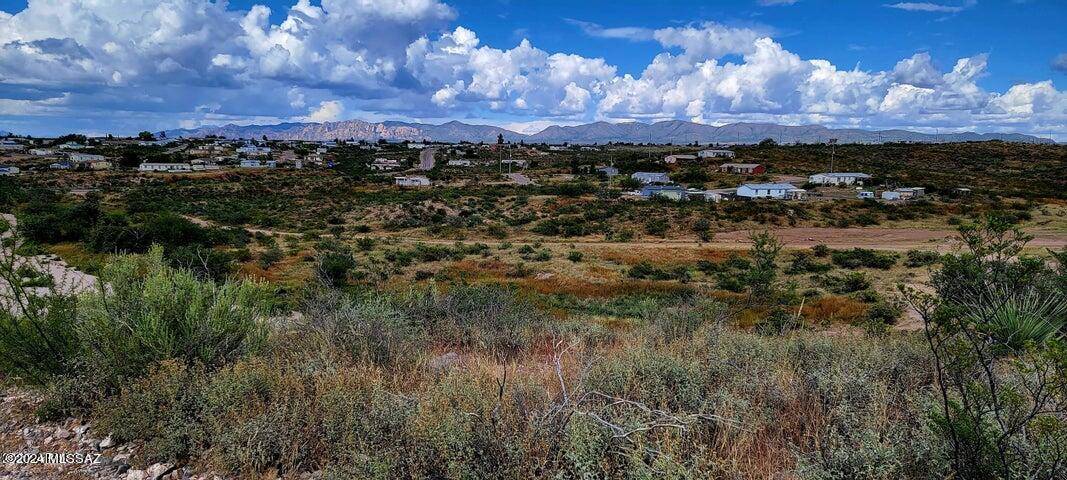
(981,65)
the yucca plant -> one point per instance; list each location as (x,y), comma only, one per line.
(1016,319)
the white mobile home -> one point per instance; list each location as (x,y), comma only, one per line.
(770,190)
(850,178)
(165,167)
(412,181)
(716,154)
(651,177)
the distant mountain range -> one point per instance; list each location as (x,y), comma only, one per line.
(674,131)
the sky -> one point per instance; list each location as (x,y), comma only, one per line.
(122,66)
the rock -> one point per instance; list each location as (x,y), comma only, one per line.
(544,275)
(157,471)
(136,475)
(62,433)
(80,430)
(107,443)
(444,362)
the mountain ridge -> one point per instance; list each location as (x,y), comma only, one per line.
(668,131)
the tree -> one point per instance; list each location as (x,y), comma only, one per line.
(995,330)
(500,139)
(146,136)
(761,277)
(767,142)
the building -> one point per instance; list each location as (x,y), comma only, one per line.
(460,162)
(202,165)
(891,195)
(515,162)
(385,164)
(716,154)
(672,159)
(165,167)
(649,178)
(71,146)
(249,163)
(42,152)
(911,192)
(100,165)
(61,166)
(9,171)
(850,178)
(10,145)
(865,194)
(84,157)
(743,168)
(254,151)
(770,190)
(417,146)
(607,171)
(412,181)
(672,192)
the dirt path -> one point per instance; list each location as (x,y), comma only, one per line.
(897,239)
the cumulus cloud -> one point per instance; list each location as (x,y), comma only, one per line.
(197,62)
(328,111)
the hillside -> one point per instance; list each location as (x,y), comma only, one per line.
(673,131)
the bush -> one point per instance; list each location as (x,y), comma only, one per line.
(575,256)
(864,258)
(151,312)
(921,258)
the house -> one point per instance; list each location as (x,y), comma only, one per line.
(459,162)
(60,166)
(557,148)
(850,178)
(9,171)
(607,171)
(743,168)
(100,165)
(716,154)
(672,159)
(865,194)
(418,146)
(254,151)
(911,192)
(84,157)
(384,164)
(770,190)
(71,146)
(672,192)
(249,163)
(165,167)
(648,178)
(41,152)
(891,195)
(10,145)
(412,181)
(516,162)
(202,165)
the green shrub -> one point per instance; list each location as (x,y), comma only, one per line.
(575,256)
(921,258)
(864,258)
(151,312)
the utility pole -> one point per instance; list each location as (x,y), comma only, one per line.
(833,145)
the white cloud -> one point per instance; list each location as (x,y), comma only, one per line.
(164,61)
(328,111)
(933,7)
(621,33)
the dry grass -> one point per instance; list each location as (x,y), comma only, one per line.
(834,309)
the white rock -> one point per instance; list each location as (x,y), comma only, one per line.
(136,475)
(158,470)
(107,442)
